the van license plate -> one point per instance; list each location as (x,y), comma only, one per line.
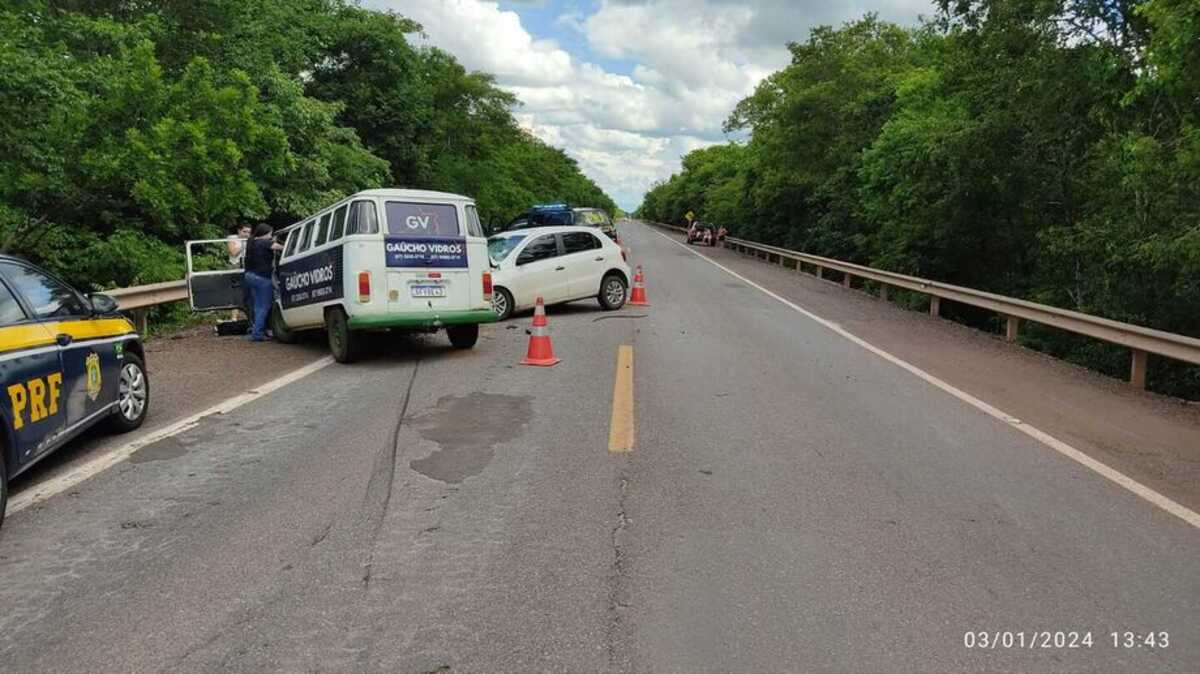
(428,291)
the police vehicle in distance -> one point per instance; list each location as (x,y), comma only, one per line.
(543,215)
(378,260)
(67,362)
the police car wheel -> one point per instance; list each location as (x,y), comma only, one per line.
(612,292)
(343,342)
(502,303)
(133,395)
(280,329)
(463,336)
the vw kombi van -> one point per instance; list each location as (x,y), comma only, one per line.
(380,259)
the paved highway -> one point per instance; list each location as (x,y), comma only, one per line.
(791,503)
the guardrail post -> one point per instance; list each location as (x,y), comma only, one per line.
(781,260)
(883,291)
(820,272)
(1010,329)
(935,305)
(845,280)
(141,321)
(1137,369)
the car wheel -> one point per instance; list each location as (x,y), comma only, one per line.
(502,303)
(463,336)
(133,395)
(612,292)
(279,328)
(344,343)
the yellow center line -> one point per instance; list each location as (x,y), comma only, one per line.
(620,435)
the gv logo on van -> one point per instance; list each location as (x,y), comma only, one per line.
(418,221)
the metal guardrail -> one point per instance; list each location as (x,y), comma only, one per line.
(1140,340)
(138,299)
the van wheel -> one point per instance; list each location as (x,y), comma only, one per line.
(612,292)
(133,395)
(463,336)
(279,328)
(502,303)
(344,343)
(3,486)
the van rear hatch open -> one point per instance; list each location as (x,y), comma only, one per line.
(427,263)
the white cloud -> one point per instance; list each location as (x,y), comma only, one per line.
(694,60)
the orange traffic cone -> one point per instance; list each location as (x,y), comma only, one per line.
(541,352)
(638,297)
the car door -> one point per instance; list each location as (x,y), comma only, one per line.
(30,374)
(87,342)
(539,271)
(586,262)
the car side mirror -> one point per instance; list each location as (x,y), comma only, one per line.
(103,304)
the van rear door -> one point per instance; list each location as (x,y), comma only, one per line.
(427,263)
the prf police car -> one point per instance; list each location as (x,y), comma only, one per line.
(380,259)
(67,362)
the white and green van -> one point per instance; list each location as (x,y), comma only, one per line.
(380,259)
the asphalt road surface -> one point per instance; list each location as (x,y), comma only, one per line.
(791,503)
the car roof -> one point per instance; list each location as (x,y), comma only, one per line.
(549,229)
(425,195)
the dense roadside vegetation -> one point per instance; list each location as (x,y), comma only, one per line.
(1047,149)
(130,126)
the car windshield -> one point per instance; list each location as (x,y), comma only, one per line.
(500,246)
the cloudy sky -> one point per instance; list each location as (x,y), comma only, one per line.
(627,87)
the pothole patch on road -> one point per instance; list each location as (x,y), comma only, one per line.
(467,428)
(163,450)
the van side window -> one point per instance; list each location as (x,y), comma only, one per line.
(307,240)
(474,228)
(323,230)
(339,223)
(363,219)
(293,240)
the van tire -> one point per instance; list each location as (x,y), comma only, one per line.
(610,287)
(344,343)
(134,369)
(463,336)
(279,328)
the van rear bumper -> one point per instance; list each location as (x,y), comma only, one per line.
(422,320)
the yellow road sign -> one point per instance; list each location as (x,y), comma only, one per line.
(690,216)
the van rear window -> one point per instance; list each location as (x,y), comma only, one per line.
(405,219)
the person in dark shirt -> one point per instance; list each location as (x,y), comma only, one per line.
(259,262)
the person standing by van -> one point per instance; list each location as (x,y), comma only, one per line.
(259,263)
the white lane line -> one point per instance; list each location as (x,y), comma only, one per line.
(1177,509)
(78,474)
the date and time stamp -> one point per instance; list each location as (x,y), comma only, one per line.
(992,640)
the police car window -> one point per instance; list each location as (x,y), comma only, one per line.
(405,219)
(49,298)
(10,309)
(339,223)
(474,227)
(542,248)
(323,230)
(363,219)
(576,242)
(306,238)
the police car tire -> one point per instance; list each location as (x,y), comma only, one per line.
(344,343)
(463,336)
(279,329)
(117,423)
